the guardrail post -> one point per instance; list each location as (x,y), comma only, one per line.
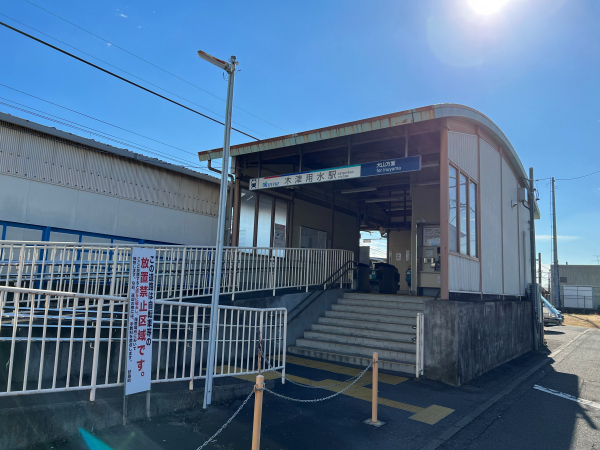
(182,279)
(375,387)
(96,350)
(235,258)
(274,265)
(193,357)
(308,253)
(326,271)
(284,345)
(419,345)
(258,399)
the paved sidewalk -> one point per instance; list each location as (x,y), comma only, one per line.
(415,412)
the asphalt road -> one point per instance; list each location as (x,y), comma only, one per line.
(520,417)
(529,418)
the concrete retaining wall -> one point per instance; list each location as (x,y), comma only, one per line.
(33,419)
(466,339)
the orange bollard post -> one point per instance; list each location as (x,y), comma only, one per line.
(258,398)
(375,386)
(375,391)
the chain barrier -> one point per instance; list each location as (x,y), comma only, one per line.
(324,398)
(228,422)
(271,369)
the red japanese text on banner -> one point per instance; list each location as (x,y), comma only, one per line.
(141,314)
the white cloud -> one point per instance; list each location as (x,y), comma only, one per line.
(123,15)
(108,44)
(139,26)
(561,237)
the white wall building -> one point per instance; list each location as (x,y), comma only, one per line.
(56,186)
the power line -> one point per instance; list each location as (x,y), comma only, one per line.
(152,64)
(128,73)
(86,129)
(119,77)
(99,120)
(569,179)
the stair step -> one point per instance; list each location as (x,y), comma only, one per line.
(381,304)
(365,325)
(364,333)
(356,360)
(381,318)
(387,297)
(373,310)
(360,341)
(390,355)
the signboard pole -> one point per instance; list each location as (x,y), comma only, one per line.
(140,309)
(230,68)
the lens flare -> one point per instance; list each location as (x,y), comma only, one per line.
(487,6)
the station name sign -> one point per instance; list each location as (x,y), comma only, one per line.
(370,169)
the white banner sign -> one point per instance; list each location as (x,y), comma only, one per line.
(141,312)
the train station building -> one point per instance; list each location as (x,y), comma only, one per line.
(446,187)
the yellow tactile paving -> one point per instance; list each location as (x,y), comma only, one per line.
(430,415)
(351,371)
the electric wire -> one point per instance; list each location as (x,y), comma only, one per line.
(153,65)
(86,129)
(119,77)
(570,179)
(98,120)
(129,73)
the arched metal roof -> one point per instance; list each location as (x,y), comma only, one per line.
(376,123)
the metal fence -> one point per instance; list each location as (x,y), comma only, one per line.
(54,341)
(577,301)
(182,272)
(419,341)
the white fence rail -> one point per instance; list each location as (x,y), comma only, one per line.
(419,366)
(59,341)
(181,273)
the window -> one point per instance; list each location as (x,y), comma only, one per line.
(247,207)
(463,214)
(452,222)
(265,207)
(270,217)
(473,218)
(462,220)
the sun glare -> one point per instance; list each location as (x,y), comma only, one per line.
(487,6)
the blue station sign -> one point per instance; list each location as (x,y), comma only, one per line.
(369,169)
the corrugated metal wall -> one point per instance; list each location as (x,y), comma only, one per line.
(52,161)
(462,151)
(47,182)
(510,231)
(490,189)
(464,274)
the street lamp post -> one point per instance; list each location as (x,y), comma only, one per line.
(230,68)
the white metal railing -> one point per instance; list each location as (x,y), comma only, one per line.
(182,272)
(61,341)
(419,347)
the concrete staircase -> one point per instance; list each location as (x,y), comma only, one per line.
(360,324)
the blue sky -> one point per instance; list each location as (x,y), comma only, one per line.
(532,67)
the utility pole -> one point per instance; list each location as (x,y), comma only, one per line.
(230,68)
(534,289)
(540,269)
(597,259)
(555,279)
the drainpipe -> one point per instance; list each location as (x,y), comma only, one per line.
(210,167)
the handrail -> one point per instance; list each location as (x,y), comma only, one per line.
(327,285)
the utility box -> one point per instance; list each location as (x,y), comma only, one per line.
(384,279)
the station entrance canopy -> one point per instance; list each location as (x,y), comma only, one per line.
(369,169)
